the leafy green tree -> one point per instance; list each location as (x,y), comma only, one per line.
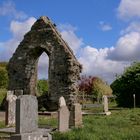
(3,75)
(126,85)
(42,86)
(93,86)
(101,88)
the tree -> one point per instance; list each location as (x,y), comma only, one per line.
(42,86)
(101,88)
(94,86)
(126,85)
(86,84)
(3,75)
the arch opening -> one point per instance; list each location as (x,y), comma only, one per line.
(42,82)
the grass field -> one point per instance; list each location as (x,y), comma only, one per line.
(120,125)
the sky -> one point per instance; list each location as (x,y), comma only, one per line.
(103,34)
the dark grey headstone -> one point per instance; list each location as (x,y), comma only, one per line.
(26,114)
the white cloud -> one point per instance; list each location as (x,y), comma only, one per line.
(68,34)
(66,27)
(128,9)
(127,47)
(95,63)
(133,27)
(8,9)
(18,29)
(105,26)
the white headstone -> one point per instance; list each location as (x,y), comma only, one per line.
(105,103)
(62,101)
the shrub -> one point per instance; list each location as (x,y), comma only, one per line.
(93,87)
(42,86)
(3,77)
(126,85)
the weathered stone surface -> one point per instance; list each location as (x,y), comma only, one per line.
(11,130)
(26,114)
(63,119)
(105,103)
(64,69)
(11,106)
(28,136)
(10,111)
(76,116)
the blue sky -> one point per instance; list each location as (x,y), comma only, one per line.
(104,34)
(85,15)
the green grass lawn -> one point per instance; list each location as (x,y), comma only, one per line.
(47,122)
(120,125)
(123,124)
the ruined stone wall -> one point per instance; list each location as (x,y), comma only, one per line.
(64,69)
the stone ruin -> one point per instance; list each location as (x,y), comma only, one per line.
(64,69)
(63,74)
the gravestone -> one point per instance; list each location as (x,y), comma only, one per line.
(27,119)
(26,114)
(105,103)
(11,105)
(63,119)
(10,111)
(76,116)
(62,101)
(63,115)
